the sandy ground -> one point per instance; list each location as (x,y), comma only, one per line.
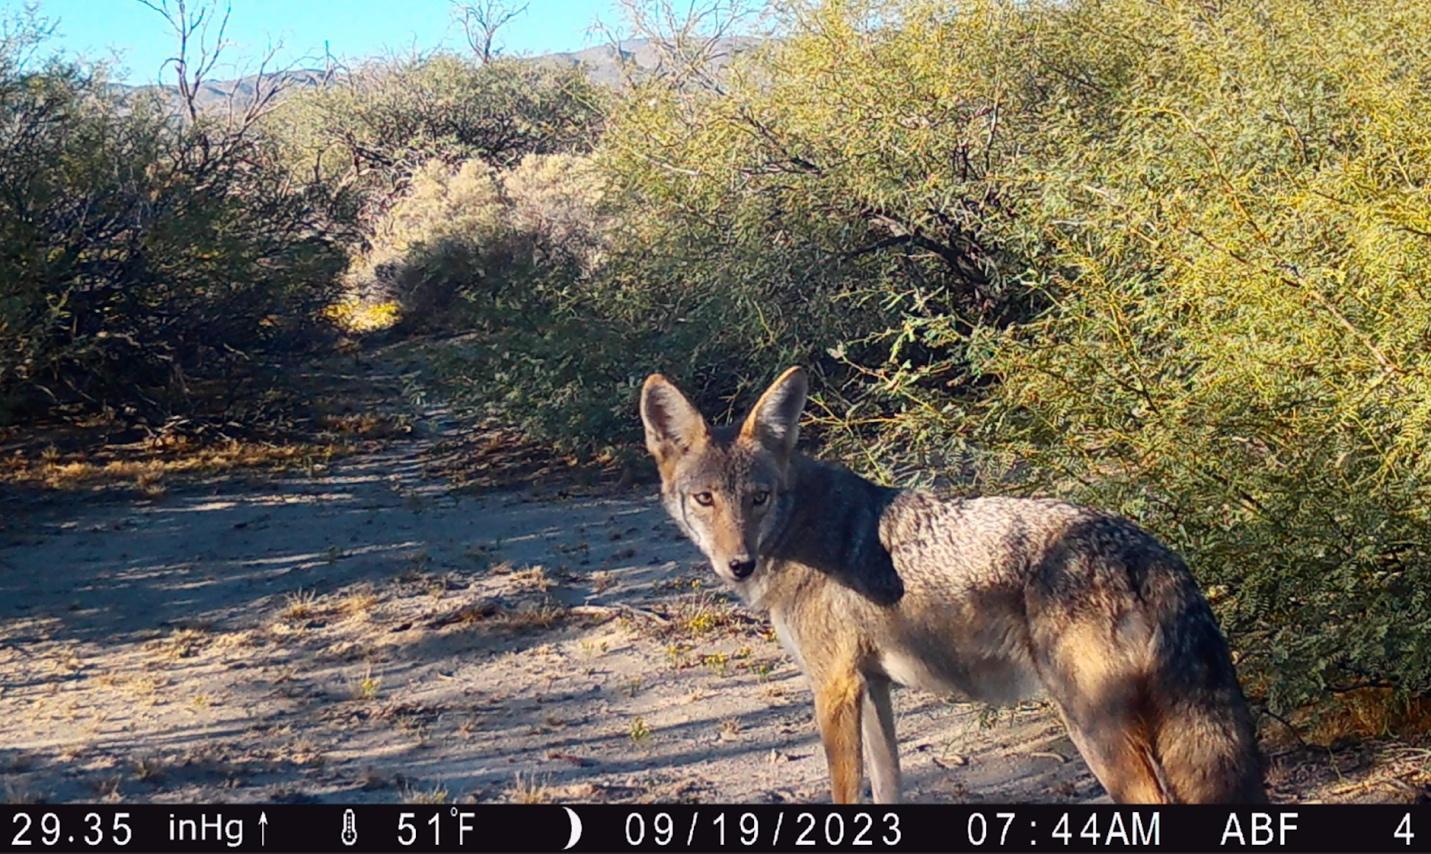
(371,633)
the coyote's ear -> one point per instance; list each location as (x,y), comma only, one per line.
(775,419)
(673,426)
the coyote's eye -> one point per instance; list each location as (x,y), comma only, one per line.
(760,497)
(705,499)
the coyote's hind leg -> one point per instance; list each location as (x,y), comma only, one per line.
(1117,750)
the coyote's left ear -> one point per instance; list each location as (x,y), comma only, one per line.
(775,419)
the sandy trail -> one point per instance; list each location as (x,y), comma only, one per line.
(370,632)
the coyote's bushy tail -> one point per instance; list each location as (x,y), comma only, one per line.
(1203,738)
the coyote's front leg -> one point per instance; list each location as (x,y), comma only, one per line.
(839,693)
(881,750)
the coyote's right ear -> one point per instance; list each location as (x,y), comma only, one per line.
(673,426)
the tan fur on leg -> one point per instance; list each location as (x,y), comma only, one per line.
(838,698)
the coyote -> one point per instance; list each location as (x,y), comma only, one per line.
(992,599)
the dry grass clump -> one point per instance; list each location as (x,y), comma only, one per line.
(147,470)
(300,605)
(182,643)
(533,578)
(529,790)
(1362,713)
(359,605)
(434,794)
(533,616)
(366,425)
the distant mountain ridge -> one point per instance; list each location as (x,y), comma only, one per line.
(606,65)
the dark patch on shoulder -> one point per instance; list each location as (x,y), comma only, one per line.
(874,574)
(835,530)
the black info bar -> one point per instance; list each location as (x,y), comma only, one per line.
(710,827)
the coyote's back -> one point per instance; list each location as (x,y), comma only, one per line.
(1016,597)
(991,598)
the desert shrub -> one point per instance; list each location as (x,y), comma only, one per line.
(141,255)
(559,200)
(471,247)
(369,131)
(1161,257)
(790,213)
(611,315)
(431,242)
(1237,356)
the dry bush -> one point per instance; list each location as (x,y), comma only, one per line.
(469,247)
(556,201)
(143,258)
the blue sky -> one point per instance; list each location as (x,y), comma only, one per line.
(353,28)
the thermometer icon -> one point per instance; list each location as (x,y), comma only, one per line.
(350,830)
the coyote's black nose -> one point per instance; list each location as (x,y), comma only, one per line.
(742,567)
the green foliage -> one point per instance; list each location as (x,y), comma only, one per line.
(1167,258)
(509,257)
(833,203)
(1238,353)
(138,255)
(144,254)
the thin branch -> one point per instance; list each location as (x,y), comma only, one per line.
(197,53)
(481,22)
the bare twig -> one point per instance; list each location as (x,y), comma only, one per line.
(481,21)
(197,53)
(198,49)
(617,610)
(689,40)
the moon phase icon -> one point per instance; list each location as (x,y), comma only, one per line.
(575,827)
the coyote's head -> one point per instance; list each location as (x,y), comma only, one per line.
(726,486)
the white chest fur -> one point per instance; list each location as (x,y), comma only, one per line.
(787,638)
